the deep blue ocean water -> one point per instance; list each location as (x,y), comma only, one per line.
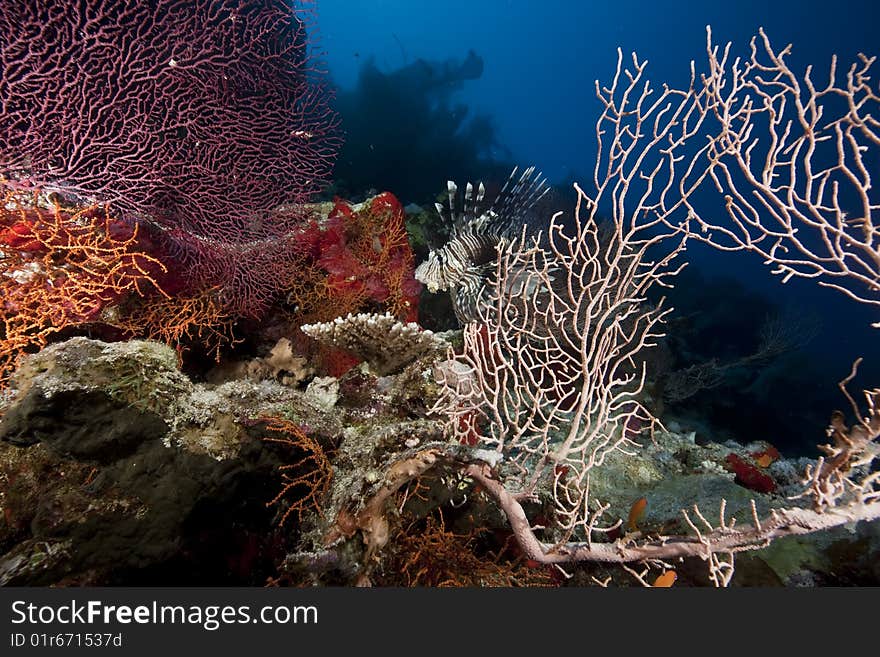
(541,58)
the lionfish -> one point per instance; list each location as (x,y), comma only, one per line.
(464,264)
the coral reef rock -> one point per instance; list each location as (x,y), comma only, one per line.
(384,343)
(116,468)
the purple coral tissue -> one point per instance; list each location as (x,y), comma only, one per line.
(196,116)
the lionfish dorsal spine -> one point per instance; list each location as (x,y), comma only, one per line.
(451,189)
(519,196)
(469,208)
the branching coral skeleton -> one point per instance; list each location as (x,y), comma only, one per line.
(550,375)
(553,365)
(791,157)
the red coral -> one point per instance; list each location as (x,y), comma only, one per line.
(335,362)
(20,236)
(358,260)
(368,251)
(362,261)
(749,476)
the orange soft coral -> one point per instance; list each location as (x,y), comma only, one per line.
(180,320)
(61,267)
(307,479)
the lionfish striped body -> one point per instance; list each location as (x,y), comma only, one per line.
(463,265)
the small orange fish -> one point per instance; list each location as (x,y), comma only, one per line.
(665,579)
(764,460)
(636,512)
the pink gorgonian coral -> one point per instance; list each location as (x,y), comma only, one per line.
(198,117)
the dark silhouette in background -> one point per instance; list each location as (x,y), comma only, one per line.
(405,133)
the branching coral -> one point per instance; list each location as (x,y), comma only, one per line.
(202,116)
(792,156)
(384,343)
(554,404)
(432,555)
(62,267)
(306,480)
(179,321)
(358,260)
(836,477)
(371,520)
(197,117)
